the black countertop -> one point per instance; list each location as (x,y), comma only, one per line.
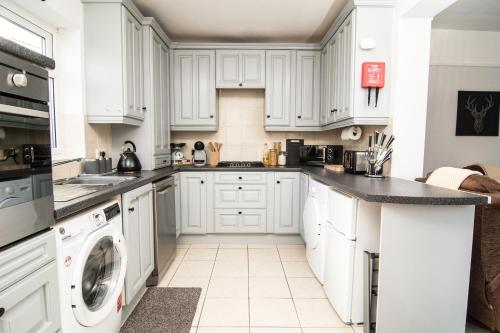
(386,190)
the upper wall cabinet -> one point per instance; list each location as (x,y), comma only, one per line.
(194,105)
(362,36)
(278,88)
(241,69)
(113,63)
(307,89)
(292,90)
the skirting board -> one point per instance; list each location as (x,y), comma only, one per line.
(240,239)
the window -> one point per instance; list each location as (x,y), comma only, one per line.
(28,34)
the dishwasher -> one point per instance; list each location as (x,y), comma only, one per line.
(164,228)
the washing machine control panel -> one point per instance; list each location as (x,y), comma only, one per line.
(99,219)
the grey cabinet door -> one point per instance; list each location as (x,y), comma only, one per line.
(161,97)
(194,203)
(132,52)
(253,69)
(307,88)
(228,68)
(32,304)
(194,88)
(138,232)
(286,202)
(278,88)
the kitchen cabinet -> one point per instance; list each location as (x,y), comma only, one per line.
(240,196)
(240,220)
(293,93)
(138,230)
(304,192)
(307,89)
(29,286)
(114,82)
(152,138)
(286,202)
(278,88)
(177,193)
(32,304)
(194,202)
(241,69)
(194,105)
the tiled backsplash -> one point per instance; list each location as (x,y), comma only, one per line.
(97,136)
(241,129)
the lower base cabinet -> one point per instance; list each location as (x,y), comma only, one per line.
(138,230)
(32,304)
(194,202)
(240,220)
(286,202)
(29,287)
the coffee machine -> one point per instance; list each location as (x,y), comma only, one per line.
(199,154)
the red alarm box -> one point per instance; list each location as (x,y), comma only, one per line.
(373,75)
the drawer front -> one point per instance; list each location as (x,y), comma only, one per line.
(19,261)
(240,177)
(240,196)
(32,304)
(240,220)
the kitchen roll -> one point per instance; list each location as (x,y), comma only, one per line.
(351,133)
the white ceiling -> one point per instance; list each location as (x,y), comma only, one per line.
(480,15)
(291,21)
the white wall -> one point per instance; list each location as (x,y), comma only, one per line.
(410,77)
(460,60)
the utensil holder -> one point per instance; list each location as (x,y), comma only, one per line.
(214,158)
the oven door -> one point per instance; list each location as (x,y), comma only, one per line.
(26,196)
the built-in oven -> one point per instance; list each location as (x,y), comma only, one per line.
(26,197)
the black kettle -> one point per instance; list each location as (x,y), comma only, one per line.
(129,162)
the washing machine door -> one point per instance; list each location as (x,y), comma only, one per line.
(312,222)
(99,275)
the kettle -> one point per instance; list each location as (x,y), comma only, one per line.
(129,162)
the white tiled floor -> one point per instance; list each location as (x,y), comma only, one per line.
(254,288)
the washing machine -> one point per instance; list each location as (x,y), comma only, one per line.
(314,217)
(91,261)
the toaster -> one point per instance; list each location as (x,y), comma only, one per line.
(355,162)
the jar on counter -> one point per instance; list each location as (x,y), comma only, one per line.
(265,155)
(277,146)
(273,157)
(282,158)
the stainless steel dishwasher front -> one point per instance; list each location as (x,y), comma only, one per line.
(164,228)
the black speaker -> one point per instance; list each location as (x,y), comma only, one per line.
(293,151)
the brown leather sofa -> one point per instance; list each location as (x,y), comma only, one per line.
(484,288)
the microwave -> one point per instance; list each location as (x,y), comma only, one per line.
(320,154)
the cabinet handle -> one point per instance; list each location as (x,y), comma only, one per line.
(144,108)
(131,209)
(239,188)
(241,84)
(211,116)
(268,116)
(240,177)
(239,213)
(2,311)
(278,182)
(334,110)
(202,182)
(300,117)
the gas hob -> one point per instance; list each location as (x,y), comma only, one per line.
(240,164)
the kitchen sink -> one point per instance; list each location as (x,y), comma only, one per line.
(98,180)
(72,188)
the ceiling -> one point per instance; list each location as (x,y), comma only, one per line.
(290,21)
(480,15)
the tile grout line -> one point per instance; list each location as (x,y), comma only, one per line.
(206,292)
(289,289)
(248,286)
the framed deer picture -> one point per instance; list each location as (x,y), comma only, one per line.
(478,113)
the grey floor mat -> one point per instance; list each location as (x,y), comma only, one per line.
(166,310)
